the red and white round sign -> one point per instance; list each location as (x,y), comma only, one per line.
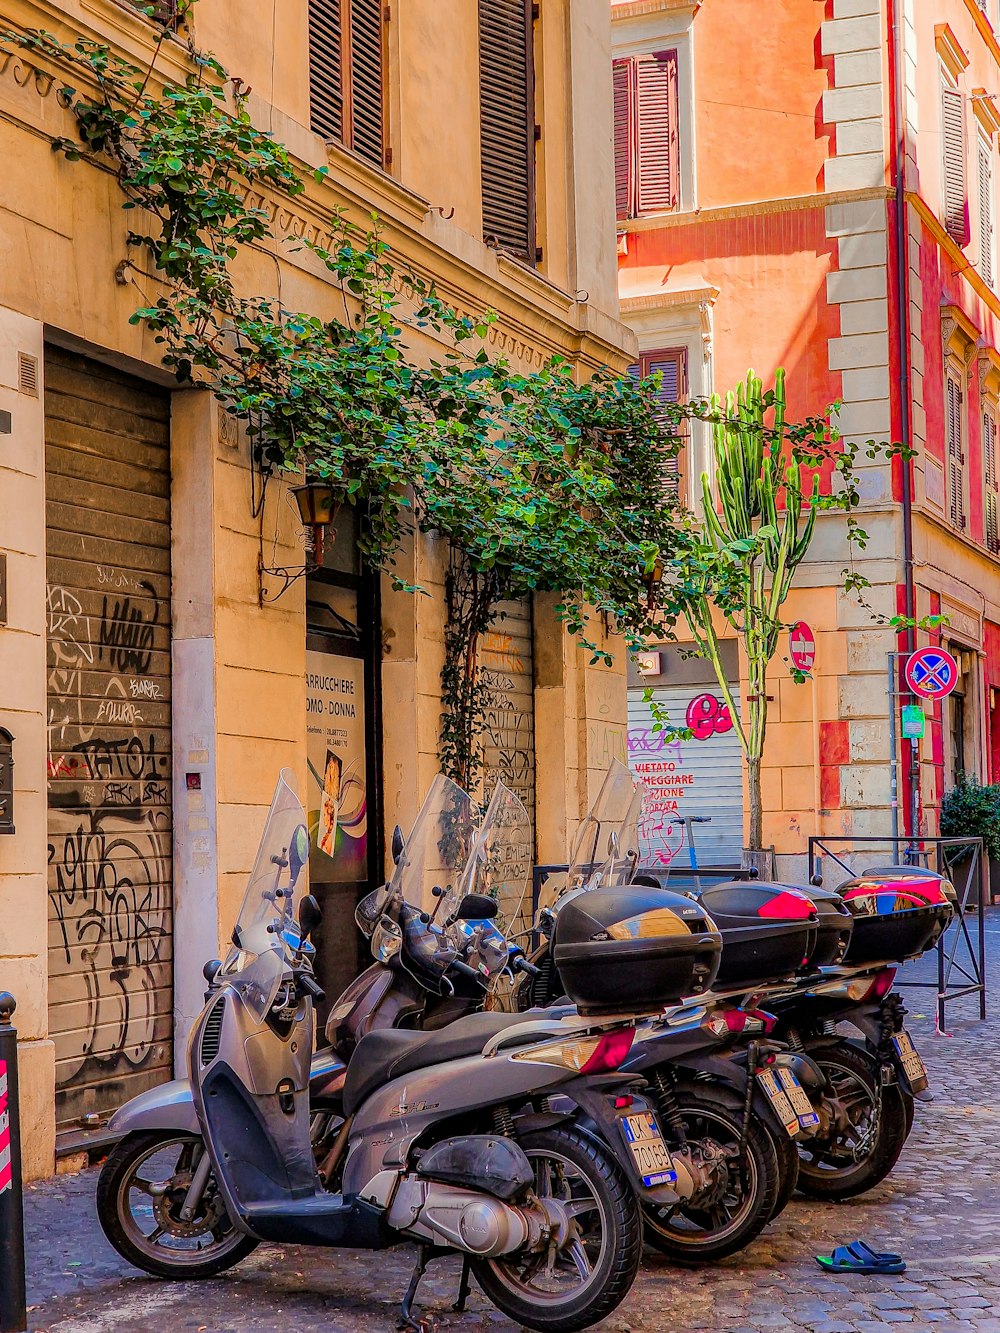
(802,646)
(931,673)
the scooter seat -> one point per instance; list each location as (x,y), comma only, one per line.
(379,1057)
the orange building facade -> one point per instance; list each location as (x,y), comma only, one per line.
(774,160)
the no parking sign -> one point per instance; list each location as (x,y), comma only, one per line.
(931,673)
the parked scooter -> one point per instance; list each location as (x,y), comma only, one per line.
(448,1139)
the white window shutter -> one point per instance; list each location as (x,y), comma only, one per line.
(954,195)
(986,211)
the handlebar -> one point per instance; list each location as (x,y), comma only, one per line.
(308,983)
(465,970)
(521,964)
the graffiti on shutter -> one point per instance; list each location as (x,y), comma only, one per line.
(956,203)
(702,776)
(507,117)
(109,747)
(506,668)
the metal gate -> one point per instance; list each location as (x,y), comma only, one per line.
(107,465)
(701,776)
(506,669)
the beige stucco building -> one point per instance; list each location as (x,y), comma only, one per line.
(151,698)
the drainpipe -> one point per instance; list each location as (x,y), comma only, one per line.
(903,331)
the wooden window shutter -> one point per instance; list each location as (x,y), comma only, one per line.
(657,189)
(326,92)
(672,365)
(992,486)
(986,212)
(954,195)
(507,125)
(624,82)
(367,80)
(347,75)
(955,455)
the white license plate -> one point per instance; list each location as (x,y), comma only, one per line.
(788,1100)
(913,1067)
(649,1152)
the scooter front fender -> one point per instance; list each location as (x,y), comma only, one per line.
(168,1106)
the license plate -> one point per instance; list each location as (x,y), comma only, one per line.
(788,1100)
(649,1152)
(909,1058)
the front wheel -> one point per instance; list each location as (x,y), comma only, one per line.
(141,1192)
(744,1187)
(581,1278)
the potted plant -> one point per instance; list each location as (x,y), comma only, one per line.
(972,810)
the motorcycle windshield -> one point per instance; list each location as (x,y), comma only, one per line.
(501,860)
(429,873)
(266,935)
(607,842)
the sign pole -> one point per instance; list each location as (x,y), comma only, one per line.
(13,1311)
(893,762)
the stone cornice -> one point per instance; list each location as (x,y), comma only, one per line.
(762,207)
(537,319)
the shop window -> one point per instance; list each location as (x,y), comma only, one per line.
(647,135)
(347,75)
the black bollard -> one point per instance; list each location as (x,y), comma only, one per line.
(13,1315)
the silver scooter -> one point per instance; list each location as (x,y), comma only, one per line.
(448,1139)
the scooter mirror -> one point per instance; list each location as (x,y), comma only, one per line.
(310,915)
(298,853)
(397,844)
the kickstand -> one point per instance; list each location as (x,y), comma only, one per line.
(463,1286)
(424,1254)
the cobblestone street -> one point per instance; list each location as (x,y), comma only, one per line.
(940,1208)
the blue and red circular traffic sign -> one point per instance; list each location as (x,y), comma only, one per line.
(931,672)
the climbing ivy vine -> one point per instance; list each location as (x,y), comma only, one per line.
(537,481)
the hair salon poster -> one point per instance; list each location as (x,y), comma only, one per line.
(335,749)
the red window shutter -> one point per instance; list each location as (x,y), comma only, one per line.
(672,366)
(954,194)
(956,458)
(990,467)
(656,133)
(624,82)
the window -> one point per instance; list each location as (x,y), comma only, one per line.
(955,204)
(992,486)
(347,75)
(647,147)
(986,210)
(507,125)
(955,453)
(672,365)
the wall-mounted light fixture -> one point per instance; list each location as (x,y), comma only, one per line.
(317,507)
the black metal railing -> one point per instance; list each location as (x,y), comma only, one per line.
(961,959)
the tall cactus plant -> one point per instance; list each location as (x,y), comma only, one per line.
(759,515)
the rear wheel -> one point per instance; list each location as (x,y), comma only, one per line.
(588,1272)
(868,1130)
(788,1169)
(141,1192)
(742,1200)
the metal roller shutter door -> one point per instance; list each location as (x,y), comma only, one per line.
(506,668)
(690,777)
(109,794)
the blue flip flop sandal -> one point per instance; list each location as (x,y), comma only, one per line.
(860,1258)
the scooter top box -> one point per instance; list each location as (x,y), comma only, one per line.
(769,930)
(898,913)
(836,925)
(634,949)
